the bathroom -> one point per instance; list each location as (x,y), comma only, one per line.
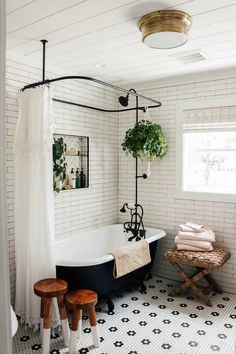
(195,81)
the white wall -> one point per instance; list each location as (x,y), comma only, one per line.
(75,209)
(157,194)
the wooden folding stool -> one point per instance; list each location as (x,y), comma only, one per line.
(204,262)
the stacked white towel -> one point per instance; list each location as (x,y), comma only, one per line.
(194,237)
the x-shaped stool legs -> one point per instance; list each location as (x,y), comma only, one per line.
(190,282)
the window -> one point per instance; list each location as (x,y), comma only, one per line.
(209,162)
(206,151)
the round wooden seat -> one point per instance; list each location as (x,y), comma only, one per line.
(47,289)
(81,298)
(50,287)
(78,300)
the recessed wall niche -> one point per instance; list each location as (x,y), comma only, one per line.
(70,162)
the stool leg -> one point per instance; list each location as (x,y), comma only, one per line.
(93,324)
(190,282)
(216,287)
(64,320)
(41,320)
(80,323)
(46,325)
(74,330)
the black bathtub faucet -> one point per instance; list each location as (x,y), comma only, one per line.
(135,225)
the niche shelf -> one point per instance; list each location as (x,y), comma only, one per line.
(76,157)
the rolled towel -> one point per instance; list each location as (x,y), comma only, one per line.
(195,227)
(194,243)
(207,235)
(185,228)
(181,246)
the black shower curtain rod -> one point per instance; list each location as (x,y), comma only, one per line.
(102,109)
(103,83)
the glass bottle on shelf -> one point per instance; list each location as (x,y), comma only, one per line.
(77,177)
(73,178)
(82,179)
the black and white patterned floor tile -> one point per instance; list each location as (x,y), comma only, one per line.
(151,322)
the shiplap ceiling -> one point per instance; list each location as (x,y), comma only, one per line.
(100,38)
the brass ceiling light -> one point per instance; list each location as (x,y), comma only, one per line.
(165,29)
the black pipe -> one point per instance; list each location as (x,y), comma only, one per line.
(138,231)
(136,164)
(44,41)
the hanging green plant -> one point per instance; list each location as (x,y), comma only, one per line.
(59,164)
(145,141)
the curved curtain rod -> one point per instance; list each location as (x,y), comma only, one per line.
(142,108)
(47,82)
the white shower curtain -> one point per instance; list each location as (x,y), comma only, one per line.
(34,205)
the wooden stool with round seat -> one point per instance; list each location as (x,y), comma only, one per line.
(78,300)
(48,289)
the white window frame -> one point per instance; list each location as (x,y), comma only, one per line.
(180,108)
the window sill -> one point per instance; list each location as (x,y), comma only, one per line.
(210,197)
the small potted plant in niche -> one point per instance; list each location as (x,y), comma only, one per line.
(59,164)
(145,141)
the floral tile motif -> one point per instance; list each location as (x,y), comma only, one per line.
(150,322)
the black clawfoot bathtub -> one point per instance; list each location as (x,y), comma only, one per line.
(84,260)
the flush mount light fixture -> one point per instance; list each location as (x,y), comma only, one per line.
(165,29)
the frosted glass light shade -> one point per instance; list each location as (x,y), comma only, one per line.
(165,29)
(165,40)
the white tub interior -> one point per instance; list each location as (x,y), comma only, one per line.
(91,247)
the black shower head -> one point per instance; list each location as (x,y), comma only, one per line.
(123,209)
(124,100)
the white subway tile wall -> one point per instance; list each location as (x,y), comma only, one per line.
(157,193)
(74,209)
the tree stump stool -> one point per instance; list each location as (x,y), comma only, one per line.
(78,300)
(48,289)
(204,262)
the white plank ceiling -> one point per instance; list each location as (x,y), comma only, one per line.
(100,38)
